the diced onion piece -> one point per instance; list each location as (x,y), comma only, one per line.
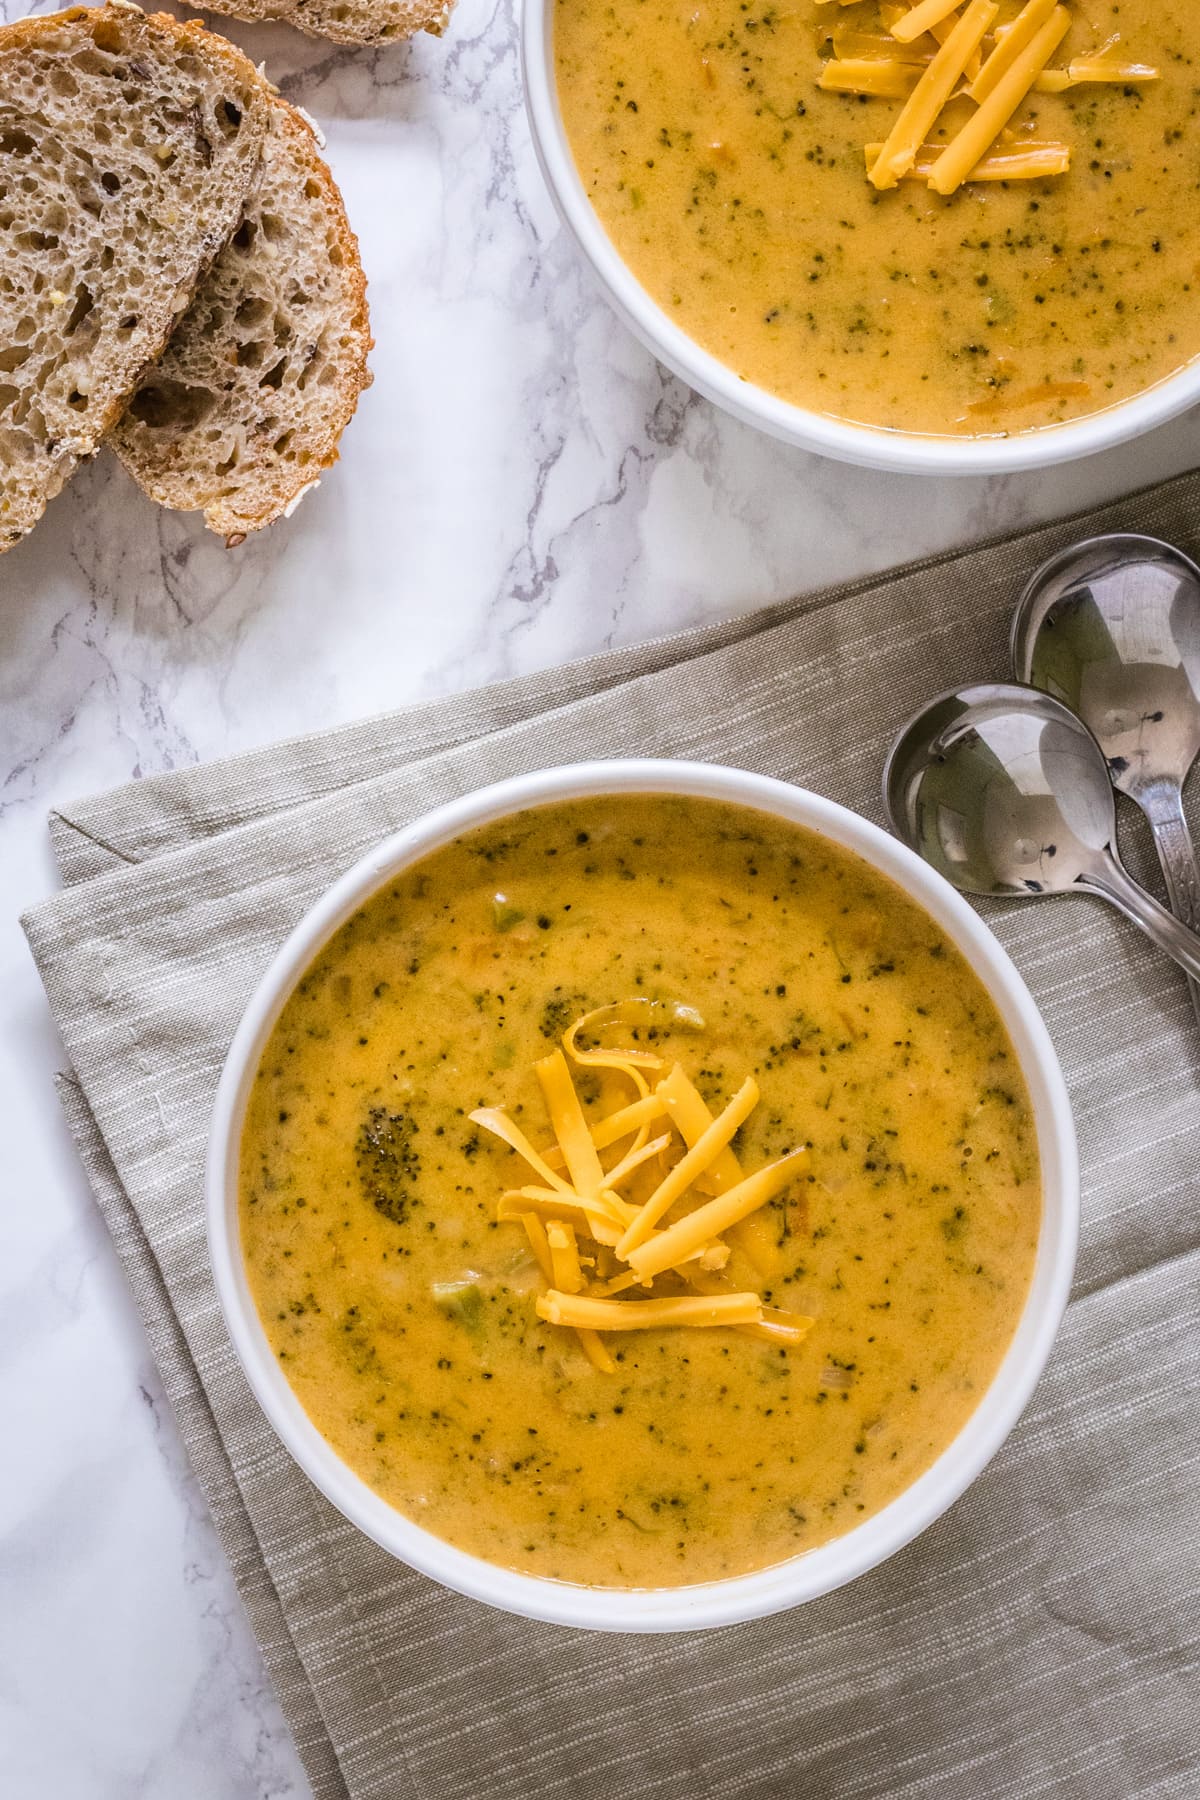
(570,1126)
(702,1155)
(922,18)
(565,1272)
(594,1349)
(683,1239)
(968,148)
(492,1119)
(1009,45)
(588,1314)
(689,1113)
(931,94)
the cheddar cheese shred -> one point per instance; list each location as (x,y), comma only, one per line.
(609,1261)
(1010,46)
(1009,162)
(929,97)
(922,18)
(869,75)
(963,75)
(585,1313)
(688,1236)
(696,1160)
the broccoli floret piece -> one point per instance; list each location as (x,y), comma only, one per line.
(388,1161)
(558,1011)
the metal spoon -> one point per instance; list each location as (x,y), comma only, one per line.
(1112,628)
(1006,793)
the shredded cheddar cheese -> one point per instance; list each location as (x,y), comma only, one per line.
(1008,162)
(1082,70)
(959,158)
(893,13)
(596,1352)
(500,1125)
(570,1127)
(703,1153)
(940,55)
(869,75)
(852,43)
(923,18)
(535,1231)
(688,1181)
(605,1227)
(628,1119)
(684,1105)
(1009,47)
(565,1271)
(648,1315)
(929,97)
(688,1236)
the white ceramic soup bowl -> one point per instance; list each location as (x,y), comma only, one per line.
(816,1571)
(911,453)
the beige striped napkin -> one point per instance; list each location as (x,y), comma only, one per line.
(1041,1638)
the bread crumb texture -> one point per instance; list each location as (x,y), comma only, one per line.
(246,405)
(128,146)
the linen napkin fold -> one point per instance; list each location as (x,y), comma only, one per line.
(1041,1638)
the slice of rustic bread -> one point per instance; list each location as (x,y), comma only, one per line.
(127,148)
(245,407)
(345,21)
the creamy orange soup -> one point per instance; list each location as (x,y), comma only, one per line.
(735,188)
(404,1313)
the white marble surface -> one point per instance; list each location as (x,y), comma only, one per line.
(522,484)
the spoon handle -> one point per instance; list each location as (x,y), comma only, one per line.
(1163,807)
(1162,927)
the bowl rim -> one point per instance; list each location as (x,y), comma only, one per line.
(814,1572)
(869,446)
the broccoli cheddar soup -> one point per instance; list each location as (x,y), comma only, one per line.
(639,1191)
(979,228)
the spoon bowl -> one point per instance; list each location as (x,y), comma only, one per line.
(1112,628)
(1002,790)
(1006,793)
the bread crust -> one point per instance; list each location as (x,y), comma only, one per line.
(360,22)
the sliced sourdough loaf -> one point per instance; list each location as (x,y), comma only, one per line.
(128,146)
(344,21)
(245,407)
